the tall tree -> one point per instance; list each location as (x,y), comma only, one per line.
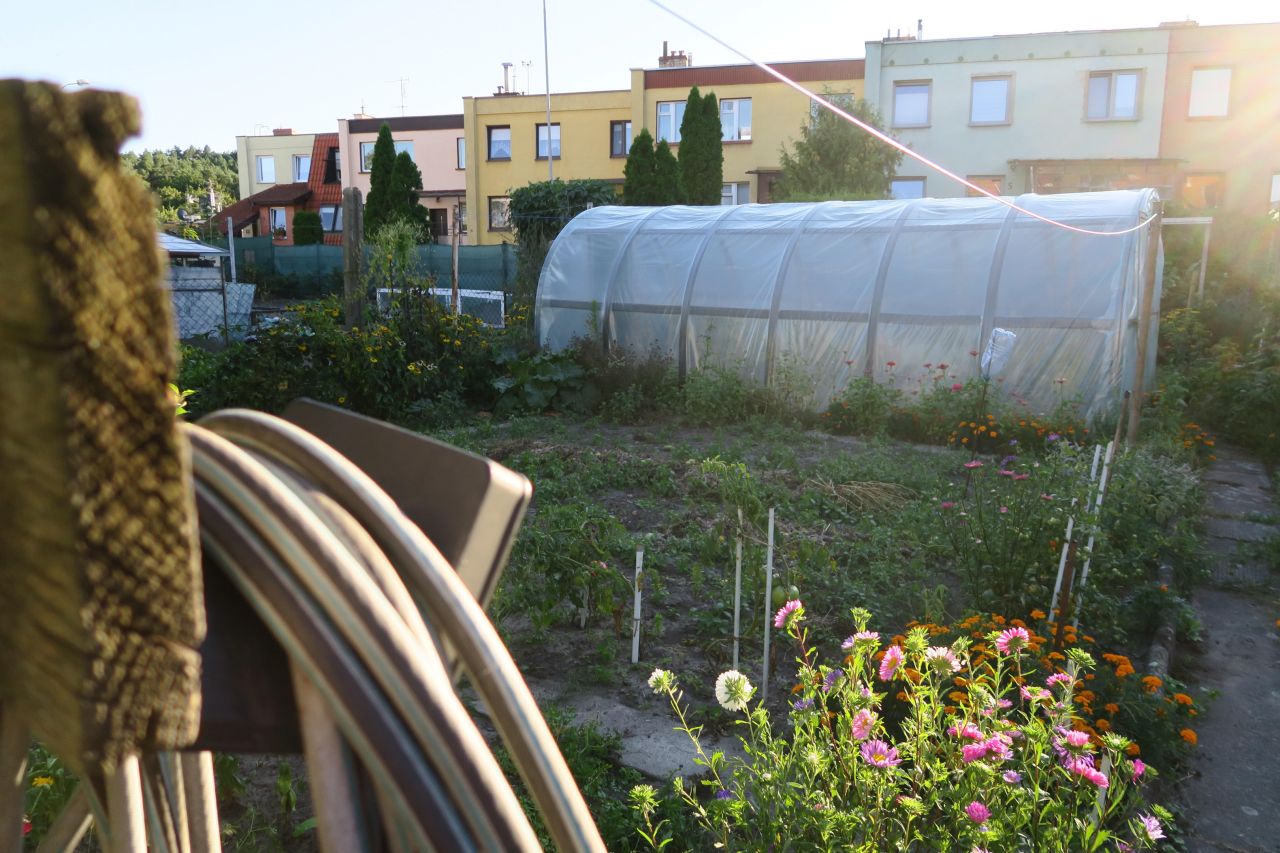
(181,178)
(834,159)
(701,149)
(668,188)
(639,185)
(406,181)
(380,204)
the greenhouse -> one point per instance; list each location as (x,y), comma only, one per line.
(888,289)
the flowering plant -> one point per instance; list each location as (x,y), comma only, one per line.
(1009,770)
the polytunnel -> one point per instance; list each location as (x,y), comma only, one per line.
(887,289)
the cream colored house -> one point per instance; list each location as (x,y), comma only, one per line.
(434,143)
(1047,112)
(263,162)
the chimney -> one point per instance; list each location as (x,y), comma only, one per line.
(919,29)
(282,131)
(674,58)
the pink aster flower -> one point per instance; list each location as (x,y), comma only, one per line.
(969,732)
(976,463)
(877,753)
(890,663)
(784,614)
(999,746)
(1013,777)
(1097,778)
(942,658)
(1151,826)
(977,812)
(948,505)
(1138,768)
(1073,738)
(860,637)
(1021,476)
(1033,693)
(1058,678)
(1012,641)
(973,752)
(957,387)
(863,722)
(1005,472)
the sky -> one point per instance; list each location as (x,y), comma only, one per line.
(206,72)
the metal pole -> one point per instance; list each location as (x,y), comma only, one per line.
(231,246)
(546,67)
(768,604)
(1144,325)
(737,592)
(1204,262)
(635,611)
(455,298)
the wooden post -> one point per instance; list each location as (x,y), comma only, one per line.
(1144,325)
(353,296)
(455,298)
(635,612)
(1204,262)
(15,740)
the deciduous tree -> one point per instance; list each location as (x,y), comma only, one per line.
(834,159)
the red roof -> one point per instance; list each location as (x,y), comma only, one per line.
(242,213)
(321,155)
(281,194)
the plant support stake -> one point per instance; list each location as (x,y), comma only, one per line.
(635,612)
(1093,528)
(768,602)
(1066,540)
(737,591)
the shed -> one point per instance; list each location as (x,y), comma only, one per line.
(842,289)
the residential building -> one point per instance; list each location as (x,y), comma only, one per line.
(1043,112)
(1222,116)
(758,113)
(262,162)
(508,143)
(270,211)
(436,145)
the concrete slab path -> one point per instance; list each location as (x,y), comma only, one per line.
(1232,798)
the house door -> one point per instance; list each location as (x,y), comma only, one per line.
(439,224)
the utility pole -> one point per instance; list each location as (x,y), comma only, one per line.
(353,297)
(546,66)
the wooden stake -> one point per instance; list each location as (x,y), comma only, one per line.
(768,604)
(635,613)
(15,740)
(737,592)
(353,297)
(1096,507)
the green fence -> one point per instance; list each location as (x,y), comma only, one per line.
(310,271)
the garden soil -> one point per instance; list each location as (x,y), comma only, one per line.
(1232,797)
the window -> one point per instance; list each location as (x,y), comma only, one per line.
(1204,191)
(1210,93)
(333,167)
(462,217)
(911,104)
(731,194)
(278,222)
(1275,191)
(499,142)
(735,120)
(542,141)
(619,138)
(331,217)
(1113,95)
(266,169)
(991,183)
(989,100)
(901,188)
(499,213)
(670,115)
(462,153)
(366,153)
(301,167)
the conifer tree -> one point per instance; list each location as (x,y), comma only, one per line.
(381,201)
(666,173)
(701,150)
(406,180)
(640,181)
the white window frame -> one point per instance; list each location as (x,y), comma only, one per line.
(462,153)
(1210,91)
(554,144)
(1007,115)
(505,220)
(462,217)
(735,193)
(366,152)
(284,220)
(732,130)
(488,141)
(264,159)
(899,85)
(1111,76)
(673,113)
(301,175)
(920,182)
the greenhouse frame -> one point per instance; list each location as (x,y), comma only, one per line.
(886,289)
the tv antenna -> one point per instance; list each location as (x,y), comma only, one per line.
(526,63)
(401,81)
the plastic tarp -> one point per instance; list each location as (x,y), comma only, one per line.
(839,290)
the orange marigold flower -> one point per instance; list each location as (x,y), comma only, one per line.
(1123,670)
(1056,656)
(1017,623)
(957,696)
(1133,749)
(1189,736)
(1151,683)
(1102,724)
(1112,708)
(1037,614)
(902,696)
(912,674)
(960,681)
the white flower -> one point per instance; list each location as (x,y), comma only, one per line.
(733,691)
(660,680)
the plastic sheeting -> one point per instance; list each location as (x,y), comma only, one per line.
(841,289)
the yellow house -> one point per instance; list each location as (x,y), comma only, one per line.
(263,162)
(758,113)
(507,146)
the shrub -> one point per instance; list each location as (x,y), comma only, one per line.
(863,408)
(992,761)
(307,230)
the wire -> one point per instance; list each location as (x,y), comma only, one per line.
(889,140)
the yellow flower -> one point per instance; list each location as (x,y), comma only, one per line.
(42,781)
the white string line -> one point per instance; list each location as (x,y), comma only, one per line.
(889,140)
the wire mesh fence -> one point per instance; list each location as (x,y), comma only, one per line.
(204,306)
